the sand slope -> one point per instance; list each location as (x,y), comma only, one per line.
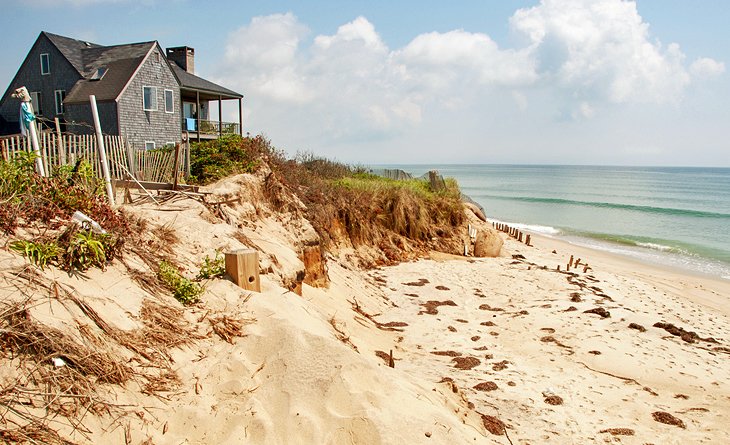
(312,369)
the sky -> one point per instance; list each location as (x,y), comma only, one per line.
(600,82)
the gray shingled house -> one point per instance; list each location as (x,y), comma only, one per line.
(150,97)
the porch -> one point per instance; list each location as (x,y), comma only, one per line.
(197,95)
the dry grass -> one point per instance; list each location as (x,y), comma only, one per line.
(402,219)
(228,328)
(340,334)
(22,335)
(33,433)
(66,374)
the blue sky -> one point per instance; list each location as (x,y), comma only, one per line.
(543,81)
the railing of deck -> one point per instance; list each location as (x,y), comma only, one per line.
(209,127)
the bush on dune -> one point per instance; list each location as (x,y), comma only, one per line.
(340,200)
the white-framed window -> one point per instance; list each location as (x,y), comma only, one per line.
(45,64)
(149,145)
(35,99)
(149,98)
(169,101)
(60,96)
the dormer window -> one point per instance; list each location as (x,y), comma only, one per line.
(45,64)
(99,73)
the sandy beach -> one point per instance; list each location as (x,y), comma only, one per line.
(485,350)
(532,338)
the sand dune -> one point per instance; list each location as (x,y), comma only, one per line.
(476,342)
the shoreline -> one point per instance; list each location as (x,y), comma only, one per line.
(639,254)
(659,274)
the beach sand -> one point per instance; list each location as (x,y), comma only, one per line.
(528,329)
(485,350)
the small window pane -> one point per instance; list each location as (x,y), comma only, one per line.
(45,64)
(149,145)
(149,97)
(169,102)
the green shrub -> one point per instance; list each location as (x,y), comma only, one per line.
(38,253)
(212,268)
(184,290)
(229,155)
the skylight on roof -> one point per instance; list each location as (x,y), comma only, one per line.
(99,73)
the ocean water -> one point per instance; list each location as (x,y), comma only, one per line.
(671,216)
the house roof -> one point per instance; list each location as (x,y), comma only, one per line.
(72,49)
(192,82)
(120,61)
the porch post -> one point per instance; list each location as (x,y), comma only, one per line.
(220,117)
(240,117)
(197,113)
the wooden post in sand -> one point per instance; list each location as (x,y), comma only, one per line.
(243,267)
(570,263)
(527,239)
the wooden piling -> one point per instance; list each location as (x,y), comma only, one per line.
(243,267)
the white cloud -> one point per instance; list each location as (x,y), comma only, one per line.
(443,60)
(261,58)
(705,68)
(601,50)
(579,60)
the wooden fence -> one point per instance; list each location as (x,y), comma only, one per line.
(64,149)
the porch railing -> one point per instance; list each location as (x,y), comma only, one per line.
(209,127)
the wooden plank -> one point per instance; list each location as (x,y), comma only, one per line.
(149,185)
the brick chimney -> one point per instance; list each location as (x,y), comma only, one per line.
(184,56)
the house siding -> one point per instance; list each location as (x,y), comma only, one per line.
(137,125)
(63,76)
(79,119)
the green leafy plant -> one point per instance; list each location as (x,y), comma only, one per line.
(212,268)
(85,250)
(229,155)
(38,253)
(184,290)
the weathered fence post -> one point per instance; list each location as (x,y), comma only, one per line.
(102,152)
(175,166)
(59,144)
